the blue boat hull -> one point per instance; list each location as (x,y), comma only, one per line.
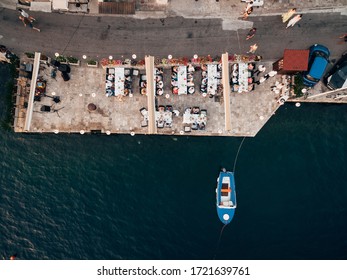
(226,197)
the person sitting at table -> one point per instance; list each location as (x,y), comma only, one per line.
(202,126)
(196,110)
(250,87)
(190,68)
(250,66)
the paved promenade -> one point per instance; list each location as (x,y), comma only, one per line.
(227,9)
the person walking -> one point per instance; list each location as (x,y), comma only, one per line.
(251,33)
(247,13)
(26,15)
(261,69)
(249,6)
(26,22)
(253,48)
(286,16)
(294,20)
(344,37)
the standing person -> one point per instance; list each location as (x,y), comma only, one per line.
(247,13)
(26,15)
(261,69)
(252,48)
(294,20)
(26,22)
(286,16)
(251,33)
(249,6)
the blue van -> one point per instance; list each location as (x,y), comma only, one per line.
(317,62)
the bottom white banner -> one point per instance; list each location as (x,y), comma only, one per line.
(173,269)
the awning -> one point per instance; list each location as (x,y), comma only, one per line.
(60,4)
(292,61)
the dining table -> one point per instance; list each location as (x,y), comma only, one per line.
(189,118)
(243,77)
(212,79)
(182,79)
(164,116)
(119,81)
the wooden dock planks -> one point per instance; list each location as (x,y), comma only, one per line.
(120,8)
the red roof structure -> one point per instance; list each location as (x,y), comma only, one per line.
(292,61)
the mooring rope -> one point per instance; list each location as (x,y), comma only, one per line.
(219,239)
(221,232)
(237,154)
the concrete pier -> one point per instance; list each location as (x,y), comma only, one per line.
(247,111)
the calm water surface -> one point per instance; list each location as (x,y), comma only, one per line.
(146,197)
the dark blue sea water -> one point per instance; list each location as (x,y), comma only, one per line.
(146,197)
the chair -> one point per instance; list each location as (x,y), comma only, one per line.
(161,108)
(160,124)
(144,123)
(176,112)
(143,111)
(187,129)
(188,110)
(203,112)
(195,126)
(135,72)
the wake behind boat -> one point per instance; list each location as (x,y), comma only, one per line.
(226,196)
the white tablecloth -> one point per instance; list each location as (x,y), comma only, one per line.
(189,118)
(119,81)
(163,116)
(243,77)
(182,79)
(211,79)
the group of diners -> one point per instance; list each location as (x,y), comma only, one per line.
(242,77)
(159,83)
(194,118)
(182,79)
(163,116)
(118,81)
(211,79)
(143,84)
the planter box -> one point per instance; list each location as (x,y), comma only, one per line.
(93,65)
(78,63)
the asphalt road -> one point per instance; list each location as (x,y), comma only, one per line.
(99,37)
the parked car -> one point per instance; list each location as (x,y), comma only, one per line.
(337,76)
(317,62)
